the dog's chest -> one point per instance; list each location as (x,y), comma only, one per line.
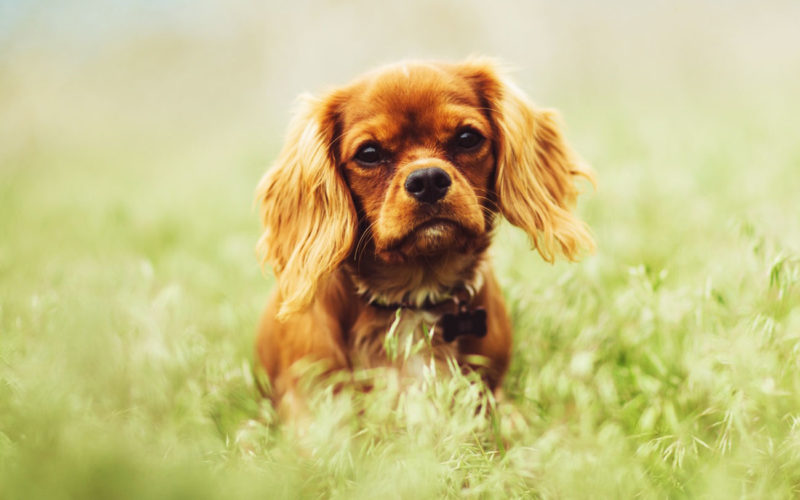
(406,339)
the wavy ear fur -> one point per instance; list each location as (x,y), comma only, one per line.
(536,169)
(307,212)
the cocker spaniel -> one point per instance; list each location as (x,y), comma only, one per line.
(379,211)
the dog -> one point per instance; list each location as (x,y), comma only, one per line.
(379,211)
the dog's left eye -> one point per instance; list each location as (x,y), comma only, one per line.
(468,139)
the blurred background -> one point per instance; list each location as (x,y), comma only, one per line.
(133,133)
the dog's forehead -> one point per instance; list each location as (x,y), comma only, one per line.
(413,91)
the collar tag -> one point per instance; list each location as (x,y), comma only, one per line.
(465,322)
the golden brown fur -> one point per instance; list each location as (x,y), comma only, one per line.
(341,230)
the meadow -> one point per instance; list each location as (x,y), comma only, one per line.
(665,365)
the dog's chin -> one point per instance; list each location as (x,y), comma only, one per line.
(429,239)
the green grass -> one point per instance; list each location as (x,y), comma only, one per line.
(667,365)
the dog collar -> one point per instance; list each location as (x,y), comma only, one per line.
(457,317)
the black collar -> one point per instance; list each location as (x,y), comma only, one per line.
(428,305)
(457,317)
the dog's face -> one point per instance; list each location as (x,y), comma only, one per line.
(417,151)
(409,163)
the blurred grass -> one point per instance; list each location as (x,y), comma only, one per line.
(664,366)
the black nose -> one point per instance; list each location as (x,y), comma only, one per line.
(428,185)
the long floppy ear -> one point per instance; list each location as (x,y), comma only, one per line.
(308,214)
(536,170)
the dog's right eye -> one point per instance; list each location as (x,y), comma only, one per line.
(368,154)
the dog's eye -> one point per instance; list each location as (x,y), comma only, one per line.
(368,154)
(468,139)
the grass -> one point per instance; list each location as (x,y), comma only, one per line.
(667,365)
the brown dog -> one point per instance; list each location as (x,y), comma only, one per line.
(384,198)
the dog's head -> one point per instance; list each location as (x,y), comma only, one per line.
(413,161)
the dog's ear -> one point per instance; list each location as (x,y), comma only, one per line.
(307,212)
(536,170)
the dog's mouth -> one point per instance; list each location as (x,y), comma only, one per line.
(435,225)
(431,228)
(432,236)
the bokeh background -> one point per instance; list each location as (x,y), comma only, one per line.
(132,134)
